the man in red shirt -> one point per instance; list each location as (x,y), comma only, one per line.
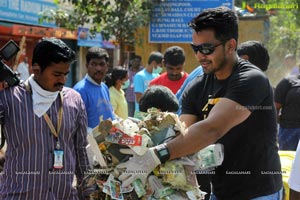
(174,61)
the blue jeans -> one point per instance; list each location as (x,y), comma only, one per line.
(275,196)
(288,138)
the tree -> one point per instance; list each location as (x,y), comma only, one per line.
(118,18)
(284,36)
(284,33)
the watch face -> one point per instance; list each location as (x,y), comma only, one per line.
(163,152)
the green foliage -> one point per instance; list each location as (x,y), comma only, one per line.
(284,38)
(119,18)
(284,34)
(113,18)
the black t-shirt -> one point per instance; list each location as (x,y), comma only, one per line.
(287,93)
(251,166)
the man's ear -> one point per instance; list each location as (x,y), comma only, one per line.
(232,44)
(36,69)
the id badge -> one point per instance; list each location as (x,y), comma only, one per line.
(58,159)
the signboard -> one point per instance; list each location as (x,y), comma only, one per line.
(40,32)
(87,39)
(25,11)
(170,18)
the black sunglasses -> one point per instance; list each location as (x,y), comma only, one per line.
(205,48)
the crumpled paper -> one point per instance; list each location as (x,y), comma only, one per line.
(174,179)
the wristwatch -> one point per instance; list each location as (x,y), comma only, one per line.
(162,152)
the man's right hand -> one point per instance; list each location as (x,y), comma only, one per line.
(138,167)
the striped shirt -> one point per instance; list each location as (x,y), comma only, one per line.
(28,167)
(130,96)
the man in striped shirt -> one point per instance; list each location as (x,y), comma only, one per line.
(45,125)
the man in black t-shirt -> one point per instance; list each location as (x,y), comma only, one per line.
(231,104)
(287,95)
(251,167)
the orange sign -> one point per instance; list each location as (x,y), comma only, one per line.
(33,31)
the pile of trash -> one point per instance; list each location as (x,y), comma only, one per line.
(175,179)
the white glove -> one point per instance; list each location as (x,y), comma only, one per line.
(138,167)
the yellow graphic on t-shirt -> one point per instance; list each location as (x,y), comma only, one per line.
(208,106)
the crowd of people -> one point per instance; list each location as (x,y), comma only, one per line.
(227,99)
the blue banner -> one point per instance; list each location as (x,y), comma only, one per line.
(170,18)
(85,38)
(25,11)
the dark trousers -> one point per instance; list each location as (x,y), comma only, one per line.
(131,108)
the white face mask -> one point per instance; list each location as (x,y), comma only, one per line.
(125,84)
(157,70)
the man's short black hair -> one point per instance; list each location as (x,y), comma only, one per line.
(155,56)
(257,53)
(159,97)
(222,20)
(51,50)
(174,56)
(96,52)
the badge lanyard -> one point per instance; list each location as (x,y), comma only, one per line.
(58,152)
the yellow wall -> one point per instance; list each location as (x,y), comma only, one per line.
(250,28)
(253,29)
